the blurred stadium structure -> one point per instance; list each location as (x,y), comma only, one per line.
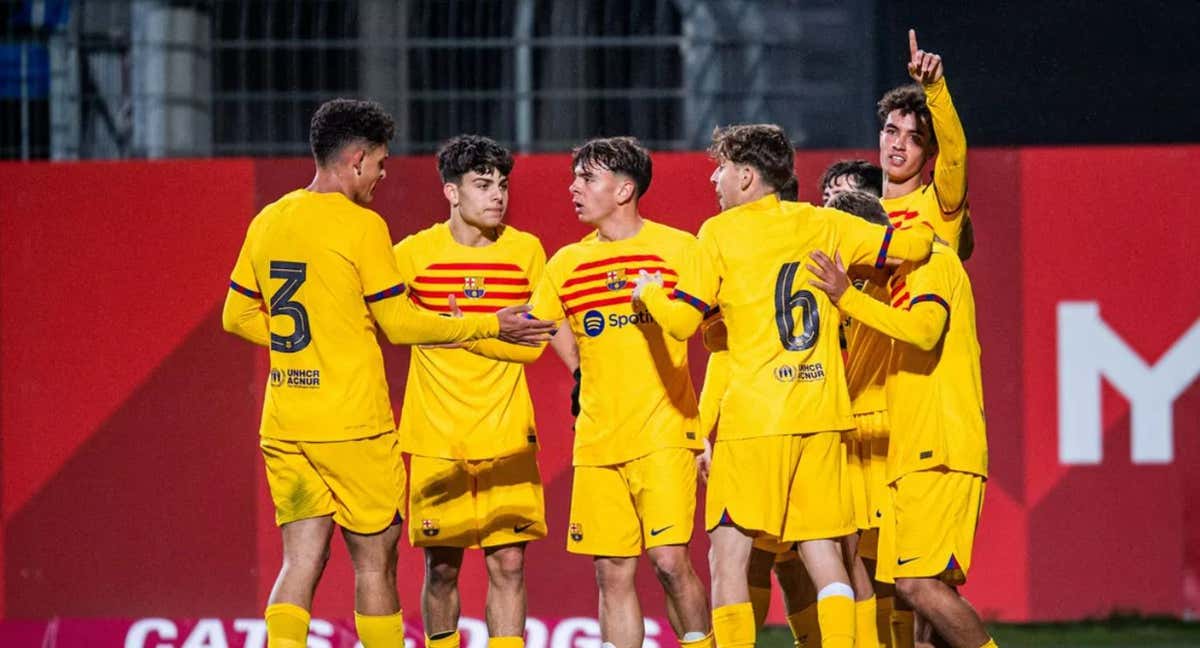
(88,79)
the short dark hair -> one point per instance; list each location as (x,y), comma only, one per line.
(790,190)
(339,122)
(863,175)
(762,146)
(908,99)
(465,153)
(861,204)
(617,154)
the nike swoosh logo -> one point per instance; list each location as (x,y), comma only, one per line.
(900,561)
(654,532)
(521,527)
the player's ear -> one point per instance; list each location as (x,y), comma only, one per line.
(356,160)
(746,176)
(625,191)
(450,191)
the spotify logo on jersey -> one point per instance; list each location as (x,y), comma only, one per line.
(593,323)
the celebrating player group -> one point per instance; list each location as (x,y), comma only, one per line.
(840,427)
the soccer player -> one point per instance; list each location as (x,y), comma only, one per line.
(918,123)
(637,434)
(779,432)
(937,456)
(851,175)
(467,420)
(314,277)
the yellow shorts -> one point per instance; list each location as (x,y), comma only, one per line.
(868,544)
(473,504)
(648,502)
(932,530)
(790,487)
(856,478)
(359,482)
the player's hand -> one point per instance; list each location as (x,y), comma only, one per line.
(517,326)
(575,393)
(645,279)
(831,275)
(455,311)
(924,67)
(704,461)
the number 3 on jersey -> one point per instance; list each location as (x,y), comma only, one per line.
(293,274)
(786,302)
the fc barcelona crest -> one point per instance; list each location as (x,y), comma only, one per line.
(576,531)
(473,287)
(615,279)
(429,528)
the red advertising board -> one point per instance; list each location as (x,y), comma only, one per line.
(130,480)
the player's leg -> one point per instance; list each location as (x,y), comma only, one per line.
(439,596)
(305,552)
(758,580)
(820,512)
(728,559)
(799,599)
(368,481)
(303,510)
(620,615)
(511,509)
(377,615)
(663,485)
(864,594)
(506,594)
(953,619)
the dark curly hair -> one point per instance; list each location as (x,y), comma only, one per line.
(908,99)
(790,190)
(762,146)
(861,204)
(622,155)
(339,122)
(466,153)
(863,175)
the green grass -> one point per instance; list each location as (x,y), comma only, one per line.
(1121,631)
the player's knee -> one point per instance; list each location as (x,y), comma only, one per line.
(439,575)
(506,567)
(308,561)
(671,566)
(615,573)
(912,589)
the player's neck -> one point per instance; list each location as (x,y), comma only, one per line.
(326,180)
(469,235)
(621,225)
(893,189)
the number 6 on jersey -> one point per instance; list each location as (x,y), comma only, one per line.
(786,302)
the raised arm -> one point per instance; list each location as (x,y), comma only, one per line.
(680,311)
(950,170)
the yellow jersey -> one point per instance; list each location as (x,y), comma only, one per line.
(867,355)
(314,276)
(785,362)
(942,202)
(459,405)
(934,384)
(636,394)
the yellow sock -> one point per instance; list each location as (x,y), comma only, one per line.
(706,642)
(733,625)
(883,620)
(902,629)
(760,599)
(287,626)
(506,642)
(449,641)
(380,631)
(806,631)
(836,616)
(865,635)
(990,644)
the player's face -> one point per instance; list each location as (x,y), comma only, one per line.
(483,198)
(837,185)
(727,182)
(903,146)
(595,193)
(369,173)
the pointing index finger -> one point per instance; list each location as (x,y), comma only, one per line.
(912,44)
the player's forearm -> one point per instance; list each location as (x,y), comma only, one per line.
(404,323)
(950,171)
(678,318)
(921,326)
(498,350)
(716,381)
(563,343)
(245,318)
(909,245)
